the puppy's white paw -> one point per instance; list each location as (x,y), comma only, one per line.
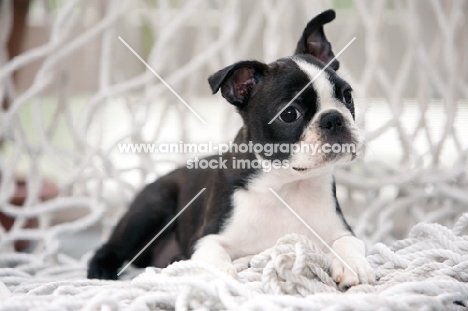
(226,267)
(345,278)
(210,250)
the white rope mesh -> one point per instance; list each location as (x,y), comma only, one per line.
(425,271)
(80,92)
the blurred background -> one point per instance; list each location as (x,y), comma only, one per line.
(71,91)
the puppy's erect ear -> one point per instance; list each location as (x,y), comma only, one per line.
(314,42)
(238,82)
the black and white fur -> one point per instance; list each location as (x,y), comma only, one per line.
(237,215)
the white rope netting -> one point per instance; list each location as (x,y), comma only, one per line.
(426,271)
(79,92)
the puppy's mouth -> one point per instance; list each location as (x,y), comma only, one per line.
(335,158)
(301,169)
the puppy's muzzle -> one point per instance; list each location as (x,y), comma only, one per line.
(332,123)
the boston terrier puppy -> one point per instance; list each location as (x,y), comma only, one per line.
(239,213)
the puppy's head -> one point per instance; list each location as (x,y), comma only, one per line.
(319,115)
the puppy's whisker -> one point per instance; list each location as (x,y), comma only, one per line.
(345,75)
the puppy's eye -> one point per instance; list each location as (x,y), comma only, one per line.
(348,98)
(289,115)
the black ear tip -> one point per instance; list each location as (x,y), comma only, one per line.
(326,16)
(330,13)
(212,86)
(318,21)
(215,83)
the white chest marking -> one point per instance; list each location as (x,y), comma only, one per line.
(259,219)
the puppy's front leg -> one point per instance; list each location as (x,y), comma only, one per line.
(352,251)
(210,249)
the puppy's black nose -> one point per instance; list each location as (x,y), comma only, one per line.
(332,122)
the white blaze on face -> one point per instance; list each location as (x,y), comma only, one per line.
(326,102)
